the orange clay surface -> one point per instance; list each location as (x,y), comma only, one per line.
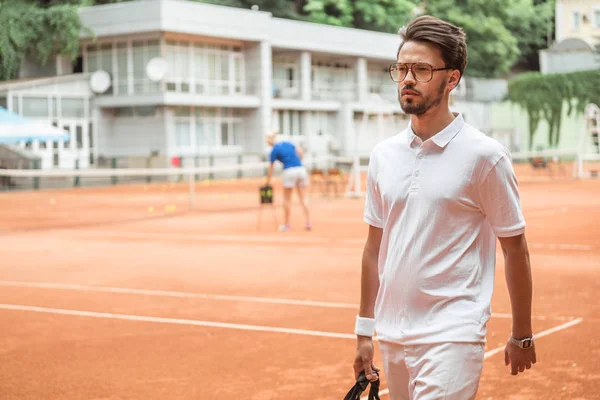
(125,293)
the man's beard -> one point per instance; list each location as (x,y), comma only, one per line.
(416,107)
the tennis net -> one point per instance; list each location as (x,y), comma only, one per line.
(32,199)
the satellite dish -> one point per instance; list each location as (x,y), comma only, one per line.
(156,69)
(100,81)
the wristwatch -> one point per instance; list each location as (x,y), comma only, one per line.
(524,343)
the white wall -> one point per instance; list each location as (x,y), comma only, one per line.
(259,73)
(580,60)
(195,18)
(137,136)
(121,18)
(175,16)
(211,20)
(332,40)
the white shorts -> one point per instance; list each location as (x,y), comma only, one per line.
(444,371)
(294,176)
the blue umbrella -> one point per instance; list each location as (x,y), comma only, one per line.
(14,129)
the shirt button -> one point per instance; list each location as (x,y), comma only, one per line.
(416,173)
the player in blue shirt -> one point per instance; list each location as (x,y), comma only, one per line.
(294,175)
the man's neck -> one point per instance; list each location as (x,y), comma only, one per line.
(433,121)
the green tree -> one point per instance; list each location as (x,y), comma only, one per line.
(383,15)
(499,32)
(377,15)
(37,29)
(532,24)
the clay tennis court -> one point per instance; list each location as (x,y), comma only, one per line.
(124,293)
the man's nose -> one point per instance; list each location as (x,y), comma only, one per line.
(409,78)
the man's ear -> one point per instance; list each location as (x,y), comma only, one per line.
(453,79)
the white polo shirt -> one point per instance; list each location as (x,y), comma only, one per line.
(440,203)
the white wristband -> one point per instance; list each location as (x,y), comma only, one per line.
(364,326)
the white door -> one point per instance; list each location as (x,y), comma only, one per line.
(76,151)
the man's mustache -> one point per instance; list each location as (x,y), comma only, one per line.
(411,88)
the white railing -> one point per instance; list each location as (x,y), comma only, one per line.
(286,89)
(341,93)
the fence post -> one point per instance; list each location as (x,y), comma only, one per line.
(180,167)
(196,165)
(240,158)
(211,163)
(77,178)
(149,165)
(36,179)
(114,166)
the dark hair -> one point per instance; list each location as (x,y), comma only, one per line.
(450,39)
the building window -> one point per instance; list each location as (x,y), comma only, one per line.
(67,143)
(145,111)
(332,81)
(201,130)
(288,122)
(72,108)
(205,69)
(120,80)
(143,51)
(137,112)
(35,107)
(126,64)
(90,136)
(124,112)
(575,20)
(322,123)
(79,136)
(285,78)
(100,57)
(183,134)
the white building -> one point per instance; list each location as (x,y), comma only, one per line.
(233,75)
(577,44)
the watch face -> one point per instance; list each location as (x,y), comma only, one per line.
(526,343)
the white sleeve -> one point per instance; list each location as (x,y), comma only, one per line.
(373,214)
(500,200)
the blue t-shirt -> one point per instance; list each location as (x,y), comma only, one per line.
(286,153)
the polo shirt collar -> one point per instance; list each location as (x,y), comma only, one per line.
(442,138)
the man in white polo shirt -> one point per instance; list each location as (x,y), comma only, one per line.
(438,195)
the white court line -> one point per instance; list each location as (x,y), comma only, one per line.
(188,295)
(497,350)
(285,239)
(245,327)
(176,321)
(541,334)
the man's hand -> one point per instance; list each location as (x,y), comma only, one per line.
(364,358)
(518,358)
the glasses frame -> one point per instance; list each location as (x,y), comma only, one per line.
(410,67)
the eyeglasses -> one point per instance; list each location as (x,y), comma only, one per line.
(422,72)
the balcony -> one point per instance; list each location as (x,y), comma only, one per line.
(286,89)
(387,91)
(339,93)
